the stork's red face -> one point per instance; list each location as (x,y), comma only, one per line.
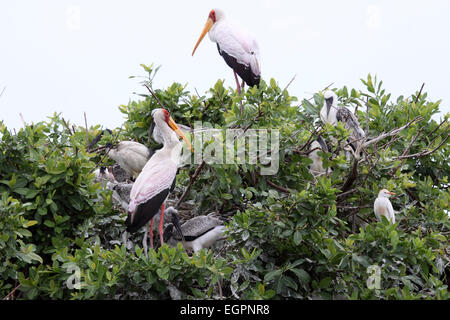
(212,15)
(209,23)
(171,123)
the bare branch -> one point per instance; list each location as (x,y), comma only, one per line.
(289,83)
(420,93)
(279,188)
(191,182)
(87,131)
(425,152)
(391,133)
(154,96)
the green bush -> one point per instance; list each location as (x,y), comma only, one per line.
(290,235)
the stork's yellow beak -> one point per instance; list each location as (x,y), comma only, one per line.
(391,193)
(208,26)
(175,128)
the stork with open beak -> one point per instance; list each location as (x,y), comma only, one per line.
(239,50)
(157,179)
(196,233)
(332,113)
(383,206)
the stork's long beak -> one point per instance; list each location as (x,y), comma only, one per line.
(208,26)
(391,193)
(175,128)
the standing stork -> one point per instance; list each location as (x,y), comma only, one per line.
(157,179)
(332,113)
(239,50)
(383,206)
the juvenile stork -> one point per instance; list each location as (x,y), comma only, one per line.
(196,233)
(157,179)
(383,206)
(332,113)
(131,156)
(316,168)
(239,50)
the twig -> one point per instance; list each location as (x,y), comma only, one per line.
(12,292)
(289,83)
(154,96)
(322,90)
(191,182)
(280,188)
(107,151)
(21,118)
(367,116)
(87,131)
(352,177)
(393,171)
(420,93)
(424,152)
(390,133)
(1,93)
(67,126)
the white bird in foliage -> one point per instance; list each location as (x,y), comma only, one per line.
(196,233)
(157,179)
(383,206)
(332,113)
(316,168)
(239,50)
(131,156)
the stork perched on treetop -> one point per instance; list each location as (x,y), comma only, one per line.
(157,179)
(239,50)
(332,113)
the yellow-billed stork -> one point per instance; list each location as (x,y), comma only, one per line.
(239,50)
(383,206)
(157,178)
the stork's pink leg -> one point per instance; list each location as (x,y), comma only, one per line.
(161,224)
(150,230)
(238,90)
(237,83)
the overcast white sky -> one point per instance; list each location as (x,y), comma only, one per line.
(76,56)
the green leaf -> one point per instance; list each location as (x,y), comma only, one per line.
(272,274)
(297,237)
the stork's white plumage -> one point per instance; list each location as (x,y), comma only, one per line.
(157,178)
(131,156)
(239,50)
(316,168)
(383,206)
(196,233)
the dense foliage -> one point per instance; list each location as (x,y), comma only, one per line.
(290,235)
